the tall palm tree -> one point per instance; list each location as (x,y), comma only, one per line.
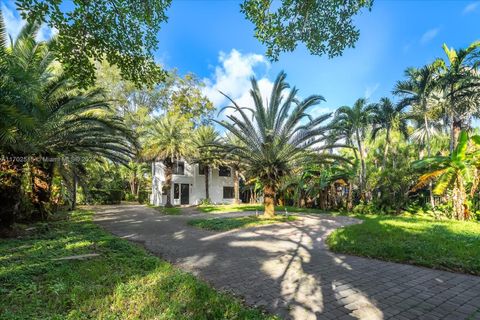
(205,139)
(356,119)
(459,80)
(275,135)
(417,92)
(168,139)
(387,116)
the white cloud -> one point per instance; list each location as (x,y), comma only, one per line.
(13,22)
(429,35)
(471,7)
(370,90)
(232,77)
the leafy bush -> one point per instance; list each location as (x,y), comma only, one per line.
(143,196)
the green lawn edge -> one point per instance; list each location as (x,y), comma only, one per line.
(231,223)
(124,282)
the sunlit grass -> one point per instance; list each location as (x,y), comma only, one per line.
(445,244)
(225,208)
(224,224)
(124,282)
(173,211)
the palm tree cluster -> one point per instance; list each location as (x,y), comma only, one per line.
(48,124)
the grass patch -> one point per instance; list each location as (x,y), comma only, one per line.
(124,282)
(446,244)
(173,211)
(224,224)
(225,208)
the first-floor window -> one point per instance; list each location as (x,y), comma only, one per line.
(228,193)
(176,191)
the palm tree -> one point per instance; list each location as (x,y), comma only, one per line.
(205,139)
(459,80)
(54,119)
(168,139)
(452,173)
(387,116)
(356,119)
(274,136)
(417,92)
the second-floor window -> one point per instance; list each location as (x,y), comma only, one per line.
(224,171)
(201,169)
(179,168)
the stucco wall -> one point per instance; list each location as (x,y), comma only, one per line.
(196,185)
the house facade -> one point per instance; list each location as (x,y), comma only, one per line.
(188,184)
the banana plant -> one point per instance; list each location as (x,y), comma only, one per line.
(453,173)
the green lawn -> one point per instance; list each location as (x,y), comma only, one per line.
(173,211)
(224,224)
(124,282)
(224,208)
(448,245)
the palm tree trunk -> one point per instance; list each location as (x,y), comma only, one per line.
(363,172)
(168,181)
(74,191)
(207,177)
(10,190)
(429,151)
(269,201)
(350,196)
(385,151)
(236,186)
(42,177)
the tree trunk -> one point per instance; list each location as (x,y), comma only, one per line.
(350,196)
(456,128)
(385,151)
(207,178)
(74,191)
(269,201)
(42,176)
(236,186)
(168,181)
(460,208)
(10,190)
(363,172)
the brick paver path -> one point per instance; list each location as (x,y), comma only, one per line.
(286,269)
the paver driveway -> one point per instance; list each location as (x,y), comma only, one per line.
(287,269)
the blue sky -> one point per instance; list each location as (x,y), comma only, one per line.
(213,40)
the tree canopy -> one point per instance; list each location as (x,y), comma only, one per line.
(125,32)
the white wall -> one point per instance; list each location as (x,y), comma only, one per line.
(196,182)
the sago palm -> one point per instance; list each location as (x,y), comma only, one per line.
(275,135)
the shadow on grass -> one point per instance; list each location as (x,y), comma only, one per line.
(447,245)
(124,282)
(224,224)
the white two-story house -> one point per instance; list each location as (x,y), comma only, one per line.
(188,184)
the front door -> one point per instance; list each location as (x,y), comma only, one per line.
(185,194)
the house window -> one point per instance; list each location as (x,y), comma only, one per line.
(228,193)
(201,169)
(176,191)
(224,171)
(179,168)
